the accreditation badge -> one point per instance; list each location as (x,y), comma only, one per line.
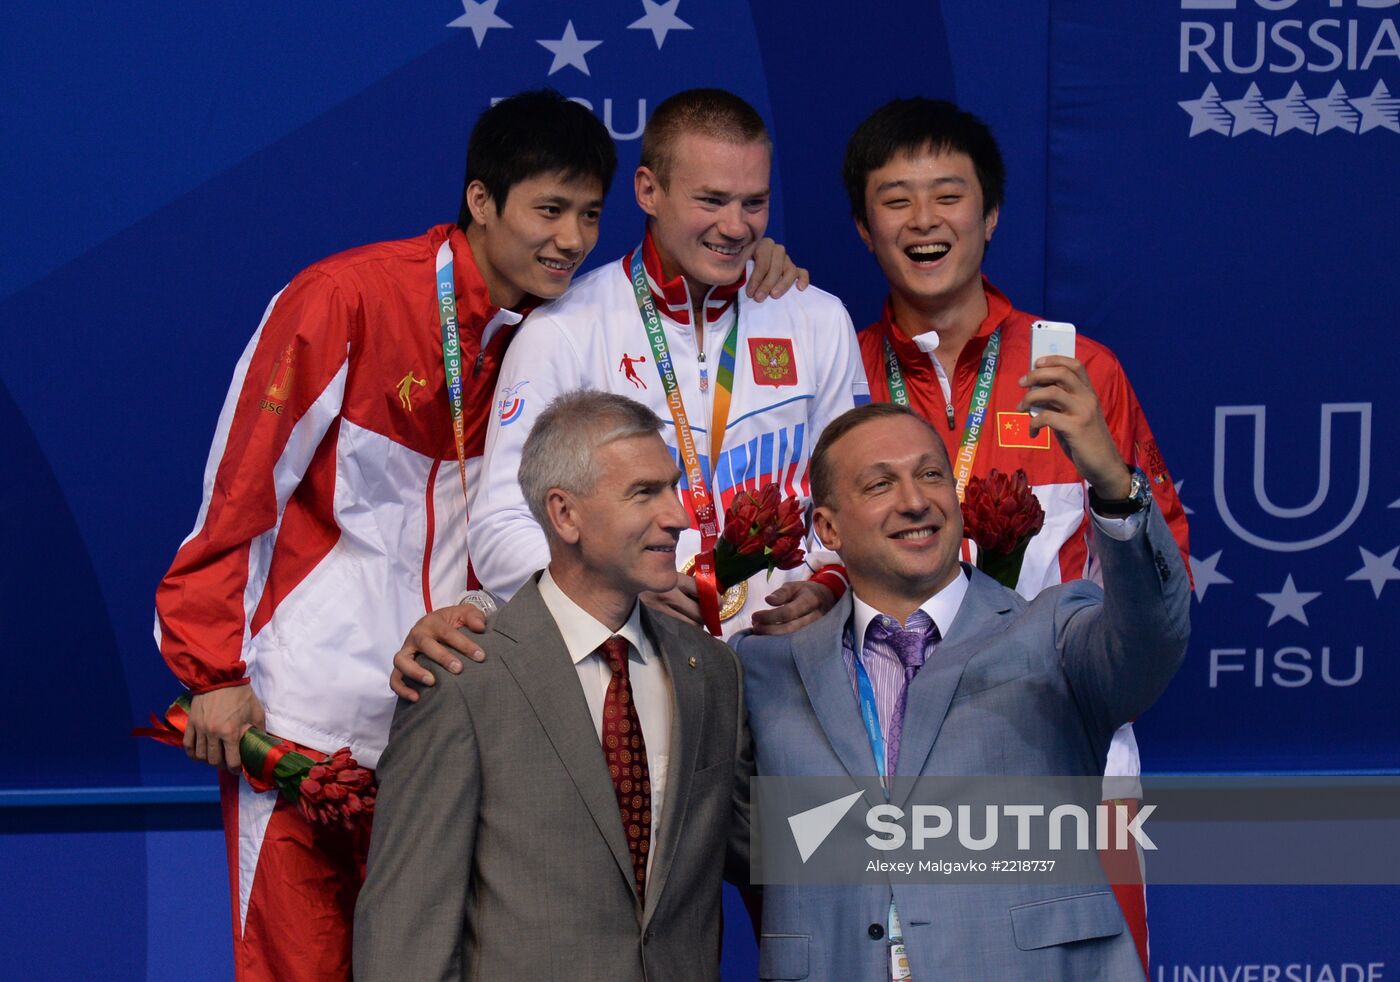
(899,952)
(899,963)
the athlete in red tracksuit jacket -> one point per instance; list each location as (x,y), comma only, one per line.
(1061,551)
(334,511)
(925,182)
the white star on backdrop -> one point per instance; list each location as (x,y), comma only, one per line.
(1288,602)
(660,18)
(1377,570)
(1184,506)
(1250,113)
(1380,108)
(1208,113)
(480,16)
(1335,111)
(569,51)
(1293,112)
(1204,575)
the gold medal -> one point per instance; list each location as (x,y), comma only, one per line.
(733,599)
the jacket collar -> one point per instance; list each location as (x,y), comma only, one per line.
(816,651)
(672,296)
(473,295)
(539,662)
(687,724)
(913,360)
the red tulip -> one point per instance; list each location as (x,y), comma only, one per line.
(762,530)
(787,552)
(1000,514)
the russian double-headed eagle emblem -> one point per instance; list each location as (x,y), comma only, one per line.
(773,361)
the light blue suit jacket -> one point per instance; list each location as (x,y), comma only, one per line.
(1016,688)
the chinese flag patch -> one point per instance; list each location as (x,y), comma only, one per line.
(1014,430)
(773,361)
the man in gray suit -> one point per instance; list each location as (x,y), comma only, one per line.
(563,810)
(959,676)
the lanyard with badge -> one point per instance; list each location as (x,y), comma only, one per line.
(706,513)
(870,716)
(976,411)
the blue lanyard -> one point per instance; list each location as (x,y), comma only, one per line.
(869,715)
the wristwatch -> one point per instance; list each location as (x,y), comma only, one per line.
(481,600)
(1139,497)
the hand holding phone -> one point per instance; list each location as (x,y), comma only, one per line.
(1050,338)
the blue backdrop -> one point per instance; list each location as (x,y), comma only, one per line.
(1205,185)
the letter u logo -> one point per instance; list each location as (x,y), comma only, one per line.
(1330,410)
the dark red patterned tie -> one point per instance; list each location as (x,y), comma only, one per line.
(626,754)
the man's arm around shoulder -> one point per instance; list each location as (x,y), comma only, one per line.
(411,913)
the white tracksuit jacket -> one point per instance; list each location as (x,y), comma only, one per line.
(592,337)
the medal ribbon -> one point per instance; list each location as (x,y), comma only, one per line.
(706,514)
(894,377)
(452,354)
(976,410)
(724,387)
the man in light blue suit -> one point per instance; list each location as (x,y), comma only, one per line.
(958,676)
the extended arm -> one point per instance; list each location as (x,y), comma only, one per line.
(1120,653)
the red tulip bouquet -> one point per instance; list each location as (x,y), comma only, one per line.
(762,531)
(1001,514)
(332,792)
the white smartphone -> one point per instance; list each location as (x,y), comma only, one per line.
(1050,338)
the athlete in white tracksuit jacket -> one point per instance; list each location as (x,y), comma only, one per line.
(594,338)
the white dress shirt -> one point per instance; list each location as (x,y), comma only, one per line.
(941,608)
(885,672)
(646,670)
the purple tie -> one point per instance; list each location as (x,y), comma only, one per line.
(910,645)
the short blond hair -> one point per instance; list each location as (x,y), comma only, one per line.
(714,113)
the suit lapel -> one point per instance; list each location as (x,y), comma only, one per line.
(817,655)
(932,690)
(540,664)
(687,723)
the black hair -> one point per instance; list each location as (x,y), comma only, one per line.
(535,132)
(907,126)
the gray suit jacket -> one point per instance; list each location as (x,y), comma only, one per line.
(1015,688)
(497,850)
